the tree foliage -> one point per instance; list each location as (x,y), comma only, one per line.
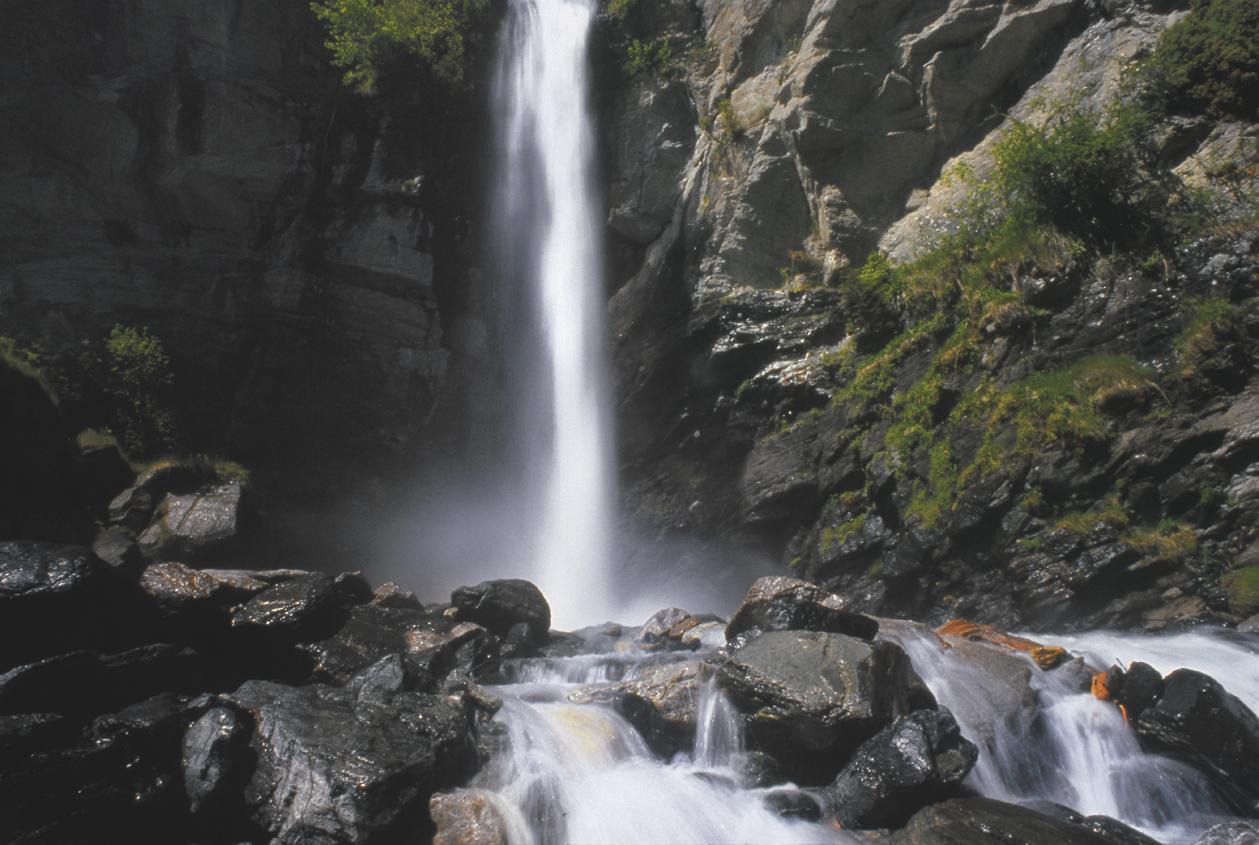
(366,35)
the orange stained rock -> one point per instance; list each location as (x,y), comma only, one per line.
(1100,690)
(1045,656)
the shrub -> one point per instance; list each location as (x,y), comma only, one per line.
(1208,61)
(868,298)
(1087,173)
(643,57)
(365,35)
(140,380)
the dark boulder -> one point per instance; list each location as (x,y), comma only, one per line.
(1195,718)
(86,683)
(300,608)
(55,599)
(391,595)
(132,508)
(116,547)
(794,804)
(810,698)
(985,821)
(660,701)
(369,633)
(336,767)
(199,525)
(779,603)
(917,760)
(498,605)
(1137,689)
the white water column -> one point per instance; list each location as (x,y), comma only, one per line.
(548,221)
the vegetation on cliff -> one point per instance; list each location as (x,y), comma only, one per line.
(367,36)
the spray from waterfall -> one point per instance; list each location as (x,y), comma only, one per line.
(547,235)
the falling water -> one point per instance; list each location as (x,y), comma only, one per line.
(1065,746)
(581,773)
(549,240)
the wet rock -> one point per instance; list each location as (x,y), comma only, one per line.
(391,595)
(132,508)
(1136,689)
(660,701)
(116,547)
(369,633)
(195,525)
(779,603)
(298,608)
(215,759)
(915,761)
(1046,657)
(794,804)
(985,821)
(653,630)
(1230,833)
(498,605)
(1197,719)
(467,818)
(23,733)
(810,698)
(756,769)
(175,587)
(335,767)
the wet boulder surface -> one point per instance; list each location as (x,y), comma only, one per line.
(182,704)
(981,821)
(810,698)
(917,760)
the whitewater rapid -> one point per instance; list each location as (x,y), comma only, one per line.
(567,772)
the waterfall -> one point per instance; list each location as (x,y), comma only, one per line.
(548,238)
(581,773)
(1069,747)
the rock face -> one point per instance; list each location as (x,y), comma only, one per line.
(810,698)
(915,761)
(739,331)
(200,169)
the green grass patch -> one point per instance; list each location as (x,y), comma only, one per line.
(1242,588)
(1167,541)
(1212,325)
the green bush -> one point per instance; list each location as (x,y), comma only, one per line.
(644,57)
(1208,61)
(1089,174)
(365,35)
(868,298)
(140,380)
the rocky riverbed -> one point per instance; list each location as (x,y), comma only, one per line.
(183,704)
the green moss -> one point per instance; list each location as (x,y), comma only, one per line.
(1242,588)
(92,437)
(140,379)
(839,534)
(1212,325)
(1111,514)
(1167,541)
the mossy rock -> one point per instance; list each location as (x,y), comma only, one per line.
(1242,588)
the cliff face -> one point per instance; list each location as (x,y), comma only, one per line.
(302,252)
(788,141)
